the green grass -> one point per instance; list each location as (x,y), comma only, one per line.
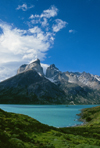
(21,131)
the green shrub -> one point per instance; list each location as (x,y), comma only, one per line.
(16,143)
(86,146)
(88,119)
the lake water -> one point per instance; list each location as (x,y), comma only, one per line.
(53,115)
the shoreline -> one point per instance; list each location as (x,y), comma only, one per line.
(81,119)
(82,123)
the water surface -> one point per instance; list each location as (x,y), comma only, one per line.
(53,115)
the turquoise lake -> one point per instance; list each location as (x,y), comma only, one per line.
(53,115)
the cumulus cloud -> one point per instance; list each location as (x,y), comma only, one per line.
(59,25)
(72,31)
(24,7)
(6,72)
(51,12)
(8,69)
(18,45)
(44,16)
(44,22)
(34,16)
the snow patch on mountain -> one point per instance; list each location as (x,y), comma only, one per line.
(52,79)
(96,77)
(32,61)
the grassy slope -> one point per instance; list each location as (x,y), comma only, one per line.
(21,131)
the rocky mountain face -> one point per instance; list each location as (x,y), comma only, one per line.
(52,71)
(34,65)
(29,87)
(32,86)
(81,79)
(21,68)
(80,88)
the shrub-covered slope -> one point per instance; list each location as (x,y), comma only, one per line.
(21,131)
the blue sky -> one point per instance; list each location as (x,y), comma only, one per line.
(66,33)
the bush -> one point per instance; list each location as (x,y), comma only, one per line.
(88,119)
(16,143)
(86,146)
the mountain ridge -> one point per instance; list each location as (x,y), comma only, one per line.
(31,86)
(52,72)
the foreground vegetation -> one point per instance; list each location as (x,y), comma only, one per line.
(21,131)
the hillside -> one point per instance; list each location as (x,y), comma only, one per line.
(21,131)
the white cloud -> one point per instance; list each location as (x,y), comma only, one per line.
(44,22)
(59,25)
(8,69)
(6,72)
(19,45)
(35,21)
(72,31)
(24,7)
(36,29)
(42,18)
(34,16)
(51,12)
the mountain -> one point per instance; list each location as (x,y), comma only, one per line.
(29,87)
(52,71)
(81,79)
(21,68)
(34,65)
(80,88)
(32,86)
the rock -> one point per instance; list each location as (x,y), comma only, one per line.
(34,65)
(71,77)
(30,88)
(52,71)
(81,79)
(89,80)
(21,68)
